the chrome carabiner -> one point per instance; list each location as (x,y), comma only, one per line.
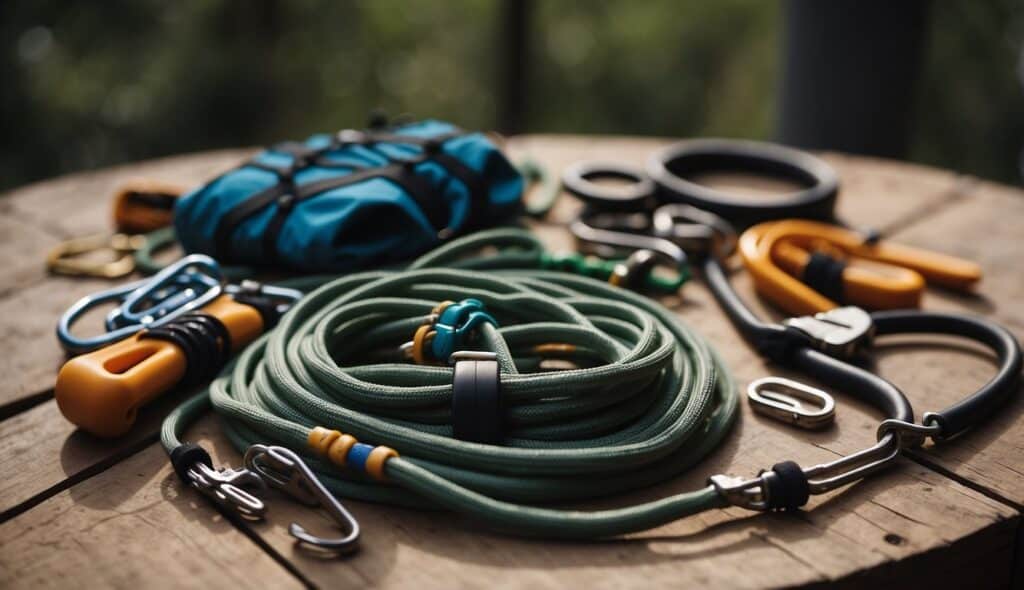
(186,285)
(782,399)
(285,470)
(610,243)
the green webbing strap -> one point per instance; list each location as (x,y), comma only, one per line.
(649,400)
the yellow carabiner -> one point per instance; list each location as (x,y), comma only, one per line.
(74,257)
(779,256)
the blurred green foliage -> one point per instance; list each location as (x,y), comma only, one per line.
(89,84)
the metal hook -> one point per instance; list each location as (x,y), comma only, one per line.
(283,469)
(781,399)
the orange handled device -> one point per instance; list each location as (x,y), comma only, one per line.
(143,205)
(836,265)
(102,391)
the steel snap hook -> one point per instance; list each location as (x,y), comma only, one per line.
(783,399)
(285,470)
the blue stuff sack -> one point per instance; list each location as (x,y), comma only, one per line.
(351,200)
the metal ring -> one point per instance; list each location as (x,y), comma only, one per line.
(670,167)
(579,179)
(689,235)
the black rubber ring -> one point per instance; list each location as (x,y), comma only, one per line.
(670,167)
(476,401)
(579,179)
(787,485)
(185,456)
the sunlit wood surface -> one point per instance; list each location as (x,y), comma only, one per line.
(78,511)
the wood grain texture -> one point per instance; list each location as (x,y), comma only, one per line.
(131,528)
(911,524)
(987,225)
(845,537)
(44,454)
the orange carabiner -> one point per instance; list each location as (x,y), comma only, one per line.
(873,275)
(102,391)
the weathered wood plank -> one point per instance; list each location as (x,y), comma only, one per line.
(985,226)
(44,454)
(22,250)
(907,523)
(79,204)
(131,527)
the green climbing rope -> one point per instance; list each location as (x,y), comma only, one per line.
(647,400)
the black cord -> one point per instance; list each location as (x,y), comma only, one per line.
(204,340)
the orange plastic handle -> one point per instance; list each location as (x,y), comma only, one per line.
(776,252)
(138,206)
(101,391)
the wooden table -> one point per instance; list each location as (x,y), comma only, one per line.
(92,513)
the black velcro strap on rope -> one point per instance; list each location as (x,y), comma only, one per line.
(476,401)
(202,338)
(786,486)
(824,274)
(187,455)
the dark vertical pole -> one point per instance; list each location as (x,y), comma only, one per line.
(849,71)
(515,17)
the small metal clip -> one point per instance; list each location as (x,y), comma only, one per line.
(839,332)
(782,399)
(226,487)
(64,258)
(283,469)
(745,493)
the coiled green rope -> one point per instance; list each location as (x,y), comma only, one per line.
(648,400)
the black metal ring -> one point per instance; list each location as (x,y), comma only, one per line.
(579,179)
(670,167)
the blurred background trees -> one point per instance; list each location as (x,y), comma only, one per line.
(87,85)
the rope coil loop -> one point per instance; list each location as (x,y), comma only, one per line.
(647,398)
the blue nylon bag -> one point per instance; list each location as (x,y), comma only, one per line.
(352,200)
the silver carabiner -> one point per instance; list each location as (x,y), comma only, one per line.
(783,399)
(285,470)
